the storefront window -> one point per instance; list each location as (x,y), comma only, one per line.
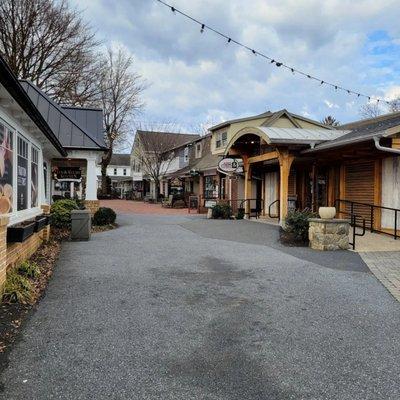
(22,174)
(6,169)
(34,177)
(210,187)
(45,179)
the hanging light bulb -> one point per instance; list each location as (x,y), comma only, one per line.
(202,28)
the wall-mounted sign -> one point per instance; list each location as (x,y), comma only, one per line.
(230,165)
(69,173)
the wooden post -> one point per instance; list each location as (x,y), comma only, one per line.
(201,193)
(247,185)
(342,190)
(285,162)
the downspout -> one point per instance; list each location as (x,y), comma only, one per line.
(383,148)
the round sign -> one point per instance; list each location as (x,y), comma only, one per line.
(230,165)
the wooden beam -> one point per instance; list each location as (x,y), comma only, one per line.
(285,162)
(247,184)
(263,157)
(378,193)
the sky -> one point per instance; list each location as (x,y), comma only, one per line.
(196,79)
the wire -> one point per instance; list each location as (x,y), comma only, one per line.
(294,70)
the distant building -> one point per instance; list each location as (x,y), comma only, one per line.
(119,172)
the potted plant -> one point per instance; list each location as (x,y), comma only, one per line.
(20,232)
(41,222)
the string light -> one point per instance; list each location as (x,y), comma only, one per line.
(272,60)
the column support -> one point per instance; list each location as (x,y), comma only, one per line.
(247,186)
(285,162)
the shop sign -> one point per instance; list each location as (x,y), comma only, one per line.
(67,173)
(230,165)
(210,203)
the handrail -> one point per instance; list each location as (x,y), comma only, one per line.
(257,211)
(372,208)
(353,224)
(269,208)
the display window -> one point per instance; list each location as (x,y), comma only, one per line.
(6,169)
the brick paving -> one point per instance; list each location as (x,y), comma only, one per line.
(385,265)
(140,207)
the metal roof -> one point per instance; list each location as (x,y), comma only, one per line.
(120,159)
(300,135)
(68,131)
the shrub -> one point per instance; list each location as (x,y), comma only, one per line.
(29,269)
(221,211)
(297,224)
(17,288)
(104,216)
(61,212)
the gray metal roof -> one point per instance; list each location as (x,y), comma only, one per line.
(300,135)
(120,159)
(68,131)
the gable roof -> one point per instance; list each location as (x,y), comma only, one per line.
(120,159)
(362,130)
(10,82)
(68,131)
(273,116)
(164,141)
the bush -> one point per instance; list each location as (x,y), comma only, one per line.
(104,216)
(297,224)
(17,288)
(61,212)
(221,211)
(29,269)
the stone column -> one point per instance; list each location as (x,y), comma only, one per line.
(91,202)
(329,234)
(3,251)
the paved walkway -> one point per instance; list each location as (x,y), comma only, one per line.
(181,308)
(140,207)
(385,265)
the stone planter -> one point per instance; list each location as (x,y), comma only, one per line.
(329,234)
(327,212)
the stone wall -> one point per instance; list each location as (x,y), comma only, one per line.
(329,234)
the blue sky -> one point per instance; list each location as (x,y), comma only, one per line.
(198,79)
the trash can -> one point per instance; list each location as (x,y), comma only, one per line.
(80,224)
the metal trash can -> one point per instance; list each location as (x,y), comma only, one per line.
(81,222)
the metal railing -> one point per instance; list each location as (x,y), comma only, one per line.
(252,211)
(278,202)
(355,206)
(354,225)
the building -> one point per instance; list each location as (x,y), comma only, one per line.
(119,172)
(46,151)
(153,155)
(292,162)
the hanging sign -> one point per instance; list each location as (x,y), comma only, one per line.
(68,173)
(230,165)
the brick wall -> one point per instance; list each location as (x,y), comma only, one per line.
(92,205)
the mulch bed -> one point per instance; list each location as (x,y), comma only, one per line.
(103,228)
(288,239)
(13,315)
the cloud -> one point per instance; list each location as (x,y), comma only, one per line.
(197,77)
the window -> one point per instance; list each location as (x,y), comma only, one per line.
(22,174)
(115,171)
(221,139)
(210,187)
(198,150)
(6,169)
(34,176)
(124,171)
(186,154)
(45,179)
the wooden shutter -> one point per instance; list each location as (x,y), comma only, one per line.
(359,186)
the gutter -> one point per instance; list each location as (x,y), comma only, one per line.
(383,148)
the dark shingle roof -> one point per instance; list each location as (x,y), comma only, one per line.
(10,82)
(120,159)
(362,130)
(164,141)
(68,131)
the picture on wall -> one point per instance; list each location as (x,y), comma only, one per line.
(6,170)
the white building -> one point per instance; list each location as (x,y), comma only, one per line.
(119,172)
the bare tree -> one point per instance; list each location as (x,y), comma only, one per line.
(330,121)
(371,110)
(120,89)
(394,105)
(154,150)
(48,43)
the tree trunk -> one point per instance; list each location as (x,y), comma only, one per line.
(156,190)
(105,161)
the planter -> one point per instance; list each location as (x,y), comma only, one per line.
(41,222)
(49,219)
(327,212)
(20,232)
